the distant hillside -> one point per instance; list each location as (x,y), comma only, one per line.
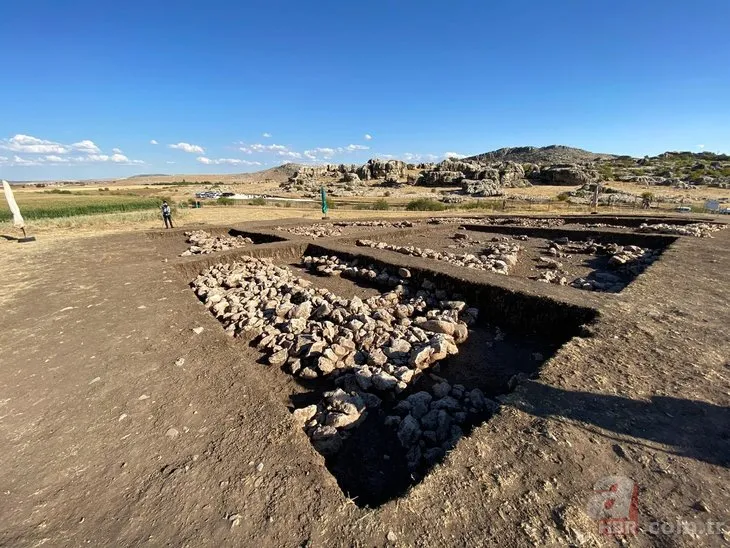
(147,175)
(553,154)
(279,173)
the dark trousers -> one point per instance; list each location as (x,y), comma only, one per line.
(168,221)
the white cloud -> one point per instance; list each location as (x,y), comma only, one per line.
(100,158)
(56,159)
(33,145)
(700,146)
(169,162)
(55,153)
(153,142)
(187,147)
(228,161)
(18,161)
(87,147)
(314,154)
(258,147)
(456,155)
(117,151)
(416,158)
(266,135)
(97,158)
(368,136)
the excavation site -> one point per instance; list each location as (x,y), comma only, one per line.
(439,380)
(391,342)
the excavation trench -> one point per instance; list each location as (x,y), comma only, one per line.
(581,262)
(515,333)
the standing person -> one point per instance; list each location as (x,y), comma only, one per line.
(167,215)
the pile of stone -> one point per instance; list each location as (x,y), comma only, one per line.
(626,262)
(317,230)
(513,221)
(532,223)
(322,230)
(496,257)
(373,348)
(454,220)
(203,243)
(387,339)
(698,230)
(556,276)
(330,422)
(428,424)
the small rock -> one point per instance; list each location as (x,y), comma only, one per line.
(279,358)
(304,414)
(172,433)
(384,381)
(197,330)
(180,362)
(409,431)
(441,390)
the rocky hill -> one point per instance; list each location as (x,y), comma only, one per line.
(553,154)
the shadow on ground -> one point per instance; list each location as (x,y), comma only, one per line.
(691,428)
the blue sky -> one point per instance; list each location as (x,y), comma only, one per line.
(91,89)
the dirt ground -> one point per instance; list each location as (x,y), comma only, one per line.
(121,426)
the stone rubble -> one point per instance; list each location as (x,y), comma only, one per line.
(322,230)
(203,243)
(374,348)
(429,424)
(698,230)
(496,257)
(626,261)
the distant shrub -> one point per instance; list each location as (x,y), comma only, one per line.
(225,201)
(387,193)
(479,204)
(563,197)
(258,201)
(58,191)
(606,172)
(425,204)
(381,205)
(330,203)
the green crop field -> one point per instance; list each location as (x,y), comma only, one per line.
(49,205)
